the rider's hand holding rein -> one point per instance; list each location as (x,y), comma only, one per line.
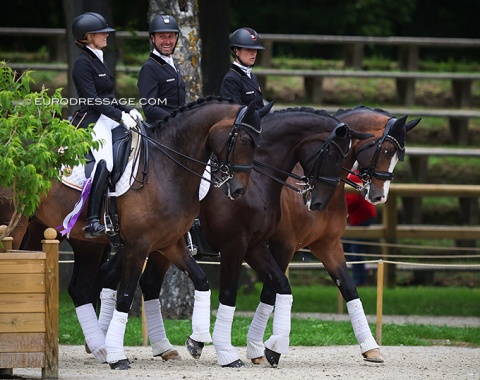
(135,115)
(128,120)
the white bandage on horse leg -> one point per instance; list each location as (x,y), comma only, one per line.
(156,329)
(201,317)
(280,339)
(108,299)
(92,332)
(222,335)
(360,326)
(115,336)
(255,346)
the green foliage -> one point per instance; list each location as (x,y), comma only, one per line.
(34,141)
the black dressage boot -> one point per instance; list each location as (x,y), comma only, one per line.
(99,183)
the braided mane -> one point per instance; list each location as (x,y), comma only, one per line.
(192,105)
(361,108)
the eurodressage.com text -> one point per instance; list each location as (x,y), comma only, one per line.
(96,101)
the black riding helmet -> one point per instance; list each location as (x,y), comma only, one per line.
(89,22)
(245,38)
(162,24)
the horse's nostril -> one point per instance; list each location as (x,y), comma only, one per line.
(317,206)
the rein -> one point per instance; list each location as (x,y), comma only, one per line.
(226,167)
(307,181)
(366,175)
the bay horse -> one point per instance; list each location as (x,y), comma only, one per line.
(240,229)
(321,231)
(155,216)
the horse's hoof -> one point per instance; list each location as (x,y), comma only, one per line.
(259,360)
(194,348)
(121,365)
(236,364)
(272,357)
(87,349)
(170,355)
(373,356)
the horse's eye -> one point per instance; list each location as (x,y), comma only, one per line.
(389,152)
(246,140)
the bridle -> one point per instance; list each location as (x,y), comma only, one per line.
(226,167)
(367,174)
(308,180)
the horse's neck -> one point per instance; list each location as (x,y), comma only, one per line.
(280,145)
(179,157)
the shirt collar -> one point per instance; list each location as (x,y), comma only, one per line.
(169,60)
(97,52)
(246,69)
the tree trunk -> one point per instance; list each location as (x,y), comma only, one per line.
(177,292)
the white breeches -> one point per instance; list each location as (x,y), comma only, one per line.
(103,132)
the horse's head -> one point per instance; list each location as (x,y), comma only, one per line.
(322,167)
(234,147)
(378,155)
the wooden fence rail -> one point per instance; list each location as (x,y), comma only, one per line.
(408,53)
(390,230)
(408,47)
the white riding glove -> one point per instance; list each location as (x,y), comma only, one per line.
(136,115)
(128,121)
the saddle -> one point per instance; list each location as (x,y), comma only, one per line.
(126,151)
(122,146)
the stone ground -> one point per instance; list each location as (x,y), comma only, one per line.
(342,362)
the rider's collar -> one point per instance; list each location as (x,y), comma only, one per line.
(246,69)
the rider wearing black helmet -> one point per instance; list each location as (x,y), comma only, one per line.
(240,83)
(95,85)
(160,84)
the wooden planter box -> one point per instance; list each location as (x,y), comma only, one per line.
(29,309)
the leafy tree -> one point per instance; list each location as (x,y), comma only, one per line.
(35,143)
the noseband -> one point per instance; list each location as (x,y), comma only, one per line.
(366,174)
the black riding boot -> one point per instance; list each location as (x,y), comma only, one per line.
(97,191)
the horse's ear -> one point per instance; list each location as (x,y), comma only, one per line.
(265,109)
(412,124)
(400,122)
(250,111)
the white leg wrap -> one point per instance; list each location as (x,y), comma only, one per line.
(161,346)
(201,317)
(115,336)
(156,329)
(255,346)
(92,332)
(108,299)
(222,335)
(360,326)
(280,339)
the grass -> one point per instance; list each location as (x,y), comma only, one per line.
(314,332)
